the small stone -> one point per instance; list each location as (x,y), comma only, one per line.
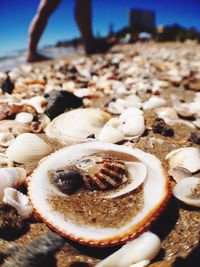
(159,126)
(67,181)
(8,85)
(195,138)
(60,101)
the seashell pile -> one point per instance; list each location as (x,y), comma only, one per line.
(97,137)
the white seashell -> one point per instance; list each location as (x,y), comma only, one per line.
(179,173)
(110,134)
(184,189)
(166,113)
(145,247)
(78,125)
(154,102)
(19,201)
(132,122)
(5,161)
(115,108)
(183,109)
(137,173)
(27,147)
(6,139)
(24,117)
(187,157)
(38,102)
(141,264)
(11,177)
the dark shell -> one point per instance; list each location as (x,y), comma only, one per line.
(67,181)
(101,172)
(7,85)
(59,101)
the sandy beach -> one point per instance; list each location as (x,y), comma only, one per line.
(157,76)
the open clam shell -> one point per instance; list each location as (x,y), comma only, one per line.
(188,191)
(156,181)
(77,125)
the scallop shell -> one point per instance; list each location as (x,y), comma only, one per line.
(143,248)
(100,172)
(39,186)
(24,117)
(79,124)
(184,191)
(27,147)
(187,157)
(19,201)
(11,177)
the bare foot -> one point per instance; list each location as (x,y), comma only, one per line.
(97,46)
(36,57)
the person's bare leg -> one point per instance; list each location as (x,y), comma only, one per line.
(83,15)
(37,27)
(84,21)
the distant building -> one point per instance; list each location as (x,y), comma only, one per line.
(142,20)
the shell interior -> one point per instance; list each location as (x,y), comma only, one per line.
(156,181)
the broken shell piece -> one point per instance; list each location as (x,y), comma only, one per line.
(5,161)
(148,243)
(188,191)
(143,263)
(40,188)
(11,177)
(38,102)
(28,147)
(14,127)
(187,157)
(111,132)
(24,117)
(183,109)
(166,113)
(77,125)
(154,102)
(179,173)
(137,173)
(19,201)
(6,139)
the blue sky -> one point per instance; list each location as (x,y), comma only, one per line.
(15,16)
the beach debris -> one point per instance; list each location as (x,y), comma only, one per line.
(79,124)
(19,201)
(36,253)
(146,166)
(187,157)
(6,139)
(10,221)
(188,191)
(27,147)
(5,161)
(145,247)
(178,173)
(11,177)
(60,101)
(159,126)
